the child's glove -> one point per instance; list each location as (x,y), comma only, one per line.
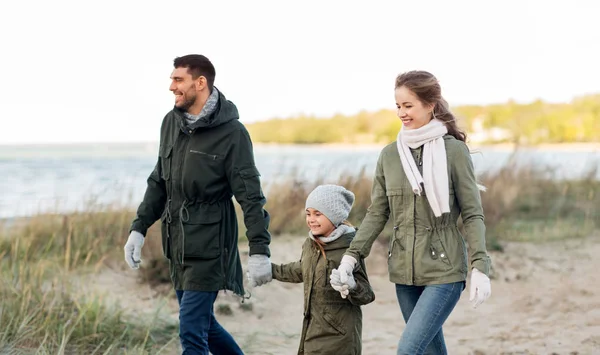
(481,288)
(336,283)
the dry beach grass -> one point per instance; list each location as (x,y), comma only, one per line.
(64,288)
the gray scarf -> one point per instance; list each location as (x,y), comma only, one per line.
(338,232)
(209,108)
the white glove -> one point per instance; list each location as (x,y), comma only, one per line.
(259,270)
(346,268)
(133,249)
(481,288)
(336,283)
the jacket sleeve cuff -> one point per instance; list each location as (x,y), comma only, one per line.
(357,290)
(482,265)
(355,255)
(274,271)
(260,249)
(137,226)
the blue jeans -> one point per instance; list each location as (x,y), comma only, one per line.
(425,309)
(199,331)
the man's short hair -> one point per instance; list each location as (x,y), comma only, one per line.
(197,65)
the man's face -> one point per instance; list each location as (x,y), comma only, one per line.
(184,88)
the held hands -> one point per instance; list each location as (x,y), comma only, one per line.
(346,268)
(133,249)
(259,270)
(343,289)
(342,279)
(481,288)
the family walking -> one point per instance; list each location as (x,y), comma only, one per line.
(423,183)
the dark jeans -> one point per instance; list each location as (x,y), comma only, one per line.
(199,331)
(425,309)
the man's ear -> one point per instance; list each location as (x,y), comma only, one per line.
(201,83)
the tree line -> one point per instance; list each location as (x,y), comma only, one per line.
(523,123)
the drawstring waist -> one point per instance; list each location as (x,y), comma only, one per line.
(184,216)
(169,218)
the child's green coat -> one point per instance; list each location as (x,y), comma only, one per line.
(332,325)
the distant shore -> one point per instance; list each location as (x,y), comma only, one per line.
(579,147)
(149,147)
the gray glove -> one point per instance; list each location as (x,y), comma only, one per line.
(336,283)
(259,270)
(346,268)
(133,249)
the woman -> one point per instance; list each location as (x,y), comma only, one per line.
(423,183)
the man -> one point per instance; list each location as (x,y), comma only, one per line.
(205,157)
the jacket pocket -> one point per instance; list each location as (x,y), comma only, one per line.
(250,177)
(333,323)
(165,162)
(205,155)
(397,257)
(400,241)
(395,201)
(202,234)
(438,252)
(454,244)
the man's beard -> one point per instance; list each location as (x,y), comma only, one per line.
(187,104)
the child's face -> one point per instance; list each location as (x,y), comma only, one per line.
(318,223)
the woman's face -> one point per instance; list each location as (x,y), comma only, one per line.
(318,223)
(411,111)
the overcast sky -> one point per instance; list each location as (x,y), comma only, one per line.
(78,71)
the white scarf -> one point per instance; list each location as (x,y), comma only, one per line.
(435,171)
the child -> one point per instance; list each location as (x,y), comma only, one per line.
(332,325)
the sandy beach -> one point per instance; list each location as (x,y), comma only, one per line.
(545,300)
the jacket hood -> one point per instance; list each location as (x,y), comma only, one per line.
(224,112)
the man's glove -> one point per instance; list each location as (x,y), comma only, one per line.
(259,270)
(481,288)
(133,249)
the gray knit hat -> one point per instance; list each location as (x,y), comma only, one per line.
(333,201)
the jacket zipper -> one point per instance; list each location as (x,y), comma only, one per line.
(170,255)
(414,238)
(420,158)
(213,157)
(313,267)
(184,199)
(169,217)
(224,266)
